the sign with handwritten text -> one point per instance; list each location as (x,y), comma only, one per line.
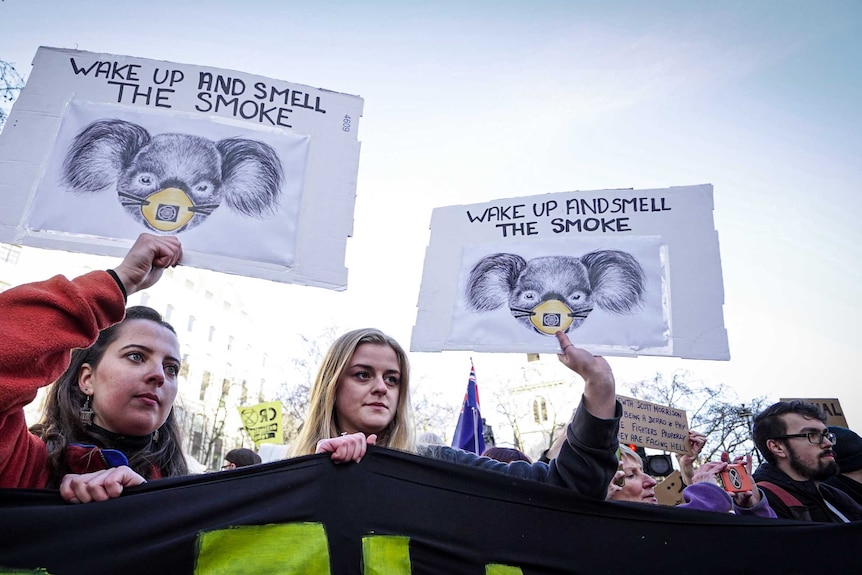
(621,272)
(653,425)
(225,160)
(831,407)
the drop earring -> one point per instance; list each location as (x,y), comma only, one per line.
(156,436)
(86,413)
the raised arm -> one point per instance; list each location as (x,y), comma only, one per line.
(599,387)
(146,260)
(41,323)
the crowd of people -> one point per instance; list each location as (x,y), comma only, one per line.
(109,421)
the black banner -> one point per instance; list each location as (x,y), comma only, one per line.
(393,514)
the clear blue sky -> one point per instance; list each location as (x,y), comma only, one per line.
(473,101)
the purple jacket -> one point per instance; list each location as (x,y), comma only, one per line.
(706,496)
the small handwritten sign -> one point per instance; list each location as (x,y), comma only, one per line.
(652,425)
(832,408)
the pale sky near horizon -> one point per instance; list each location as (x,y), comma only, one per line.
(468,102)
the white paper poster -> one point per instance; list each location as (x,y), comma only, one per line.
(507,275)
(256,176)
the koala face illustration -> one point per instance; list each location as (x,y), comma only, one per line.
(556,293)
(172,182)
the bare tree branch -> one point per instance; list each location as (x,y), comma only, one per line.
(11,84)
(715,411)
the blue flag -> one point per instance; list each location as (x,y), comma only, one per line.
(468,433)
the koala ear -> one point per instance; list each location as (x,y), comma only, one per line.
(100,153)
(616,279)
(492,279)
(251,176)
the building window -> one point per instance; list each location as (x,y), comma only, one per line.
(197,443)
(229,342)
(217,456)
(191,325)
(145,298)
(208,295)
(169,312)
(184,366)
(243,398)
(540,410)
(190,285)
(9,253)
(205,383)
(212,333)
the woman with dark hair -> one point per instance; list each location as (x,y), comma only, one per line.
(109,419)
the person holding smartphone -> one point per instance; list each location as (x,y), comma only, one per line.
(631,483)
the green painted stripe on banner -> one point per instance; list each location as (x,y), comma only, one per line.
(497,569)
(386,555)
(292,548)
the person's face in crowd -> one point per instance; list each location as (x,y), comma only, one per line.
(133,386)
(367,395)
(808,460)
(639,486)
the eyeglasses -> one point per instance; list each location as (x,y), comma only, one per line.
(815,437)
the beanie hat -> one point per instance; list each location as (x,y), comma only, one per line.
(847,448)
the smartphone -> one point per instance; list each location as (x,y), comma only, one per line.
(735,479)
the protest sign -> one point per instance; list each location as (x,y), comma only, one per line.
(669,491)
(831,407)
(652,425)
(257,176)
(263,422)
(504,276)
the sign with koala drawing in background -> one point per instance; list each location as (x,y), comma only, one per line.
(601,266)
(99,148)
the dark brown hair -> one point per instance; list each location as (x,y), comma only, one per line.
(61,423)
(769,424)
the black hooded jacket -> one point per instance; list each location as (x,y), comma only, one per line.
(810,504)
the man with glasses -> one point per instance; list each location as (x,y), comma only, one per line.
(797,446)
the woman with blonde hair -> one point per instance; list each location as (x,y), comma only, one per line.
(361,397)
(633,484)
(322,420)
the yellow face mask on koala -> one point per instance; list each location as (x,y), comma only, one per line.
(168,210)
(551,316)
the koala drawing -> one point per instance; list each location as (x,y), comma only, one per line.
(557,293)
(172,182)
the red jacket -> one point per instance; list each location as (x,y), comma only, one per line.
(40,324)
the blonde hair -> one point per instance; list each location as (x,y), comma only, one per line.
(321,421)
(626,450)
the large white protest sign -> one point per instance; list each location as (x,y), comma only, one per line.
(601,266)
(256,176)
